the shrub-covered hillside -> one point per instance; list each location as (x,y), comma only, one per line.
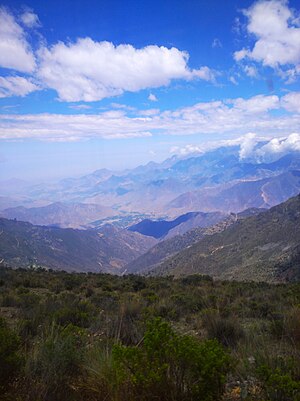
(91,337)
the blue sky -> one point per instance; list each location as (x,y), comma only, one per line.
(86,85)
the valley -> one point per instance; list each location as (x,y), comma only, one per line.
(212,213)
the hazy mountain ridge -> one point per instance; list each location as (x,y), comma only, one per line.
(73,215)
(262,193)
(173,187)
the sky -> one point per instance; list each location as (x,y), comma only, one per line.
(115,84)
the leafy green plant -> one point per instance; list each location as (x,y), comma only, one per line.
(168,366)
(279,385)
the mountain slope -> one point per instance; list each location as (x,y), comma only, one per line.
(160,228)
(74,215)
(263,247)
(199,219)
(236,197)
(170,246)
(169,228)
(107,250)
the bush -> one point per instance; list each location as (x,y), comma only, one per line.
(279,386)
(55,364)
(10,360)
(226,330)
(292,325)
(170,367)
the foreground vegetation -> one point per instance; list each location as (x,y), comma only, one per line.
(90,337)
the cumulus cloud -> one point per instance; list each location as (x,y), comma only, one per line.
(252,149)
(204,73)
(15,51)
(88,71)
(16,86)
(30,19)
(240,54)
(257,104)
(279,147)
(247,146)
(291,74)
(291,102)
(234,117)
(277,32)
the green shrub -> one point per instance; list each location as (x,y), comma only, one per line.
(279,385)
(168,366)
(10,360)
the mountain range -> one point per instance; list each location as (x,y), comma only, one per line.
(257,245)
(211,213)
(217,180)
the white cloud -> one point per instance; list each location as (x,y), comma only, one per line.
(291,75)
(30,19)
(257,104)
(190,149)
(88,71)
(251,149)
(240,54)
(291,102)
(152,97)
(233,117)
(186,150)
(205,73)
(16,86)
(247,146)
(277,33)
(15,51)
(279,147)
